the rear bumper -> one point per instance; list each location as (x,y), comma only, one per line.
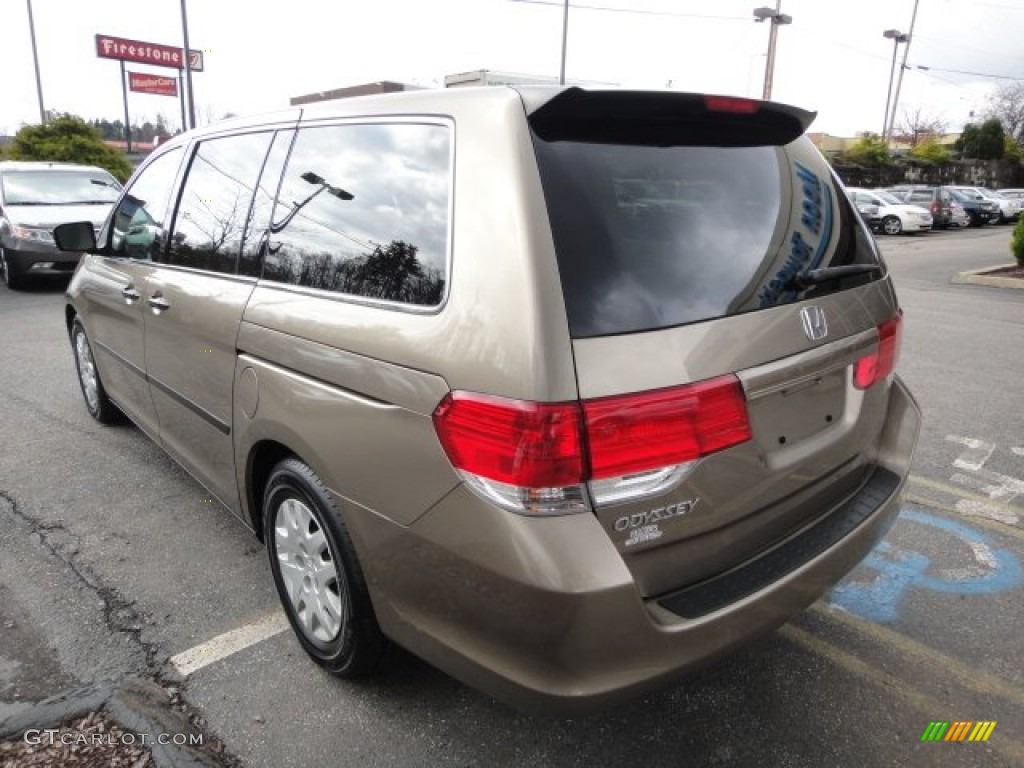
(543,614)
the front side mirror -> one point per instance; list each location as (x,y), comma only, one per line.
(76,236)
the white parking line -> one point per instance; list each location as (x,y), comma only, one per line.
(994,504)
(977,453)
(222,646)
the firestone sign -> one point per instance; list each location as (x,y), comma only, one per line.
(108,47)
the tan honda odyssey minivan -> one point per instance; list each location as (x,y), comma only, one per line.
(566,391)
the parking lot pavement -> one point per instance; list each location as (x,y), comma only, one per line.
(115,563)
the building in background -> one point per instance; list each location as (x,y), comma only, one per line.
(366,89)
(495,77)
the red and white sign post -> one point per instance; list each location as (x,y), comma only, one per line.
(123,49)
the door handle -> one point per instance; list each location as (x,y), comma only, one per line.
(158,304)
(129,294)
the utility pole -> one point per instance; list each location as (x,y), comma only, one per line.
(897,37)
(188,70)
(565,39)
(35,61)
(776,18)
(903,66)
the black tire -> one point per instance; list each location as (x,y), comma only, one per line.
(97,403)
(892,225)
(356,647)
(12,280)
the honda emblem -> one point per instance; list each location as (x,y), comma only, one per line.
(815,325)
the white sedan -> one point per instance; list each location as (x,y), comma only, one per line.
(888,214)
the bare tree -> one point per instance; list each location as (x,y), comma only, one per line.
(1007,105)
(916,124)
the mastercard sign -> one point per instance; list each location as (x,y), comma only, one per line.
(143,83)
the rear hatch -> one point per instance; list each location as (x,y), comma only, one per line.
(733,325)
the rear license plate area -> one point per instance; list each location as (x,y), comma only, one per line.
(800,409)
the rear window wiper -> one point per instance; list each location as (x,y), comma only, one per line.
(828,274)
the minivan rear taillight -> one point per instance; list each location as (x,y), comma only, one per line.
(636,433)
(871,369)
(538,458)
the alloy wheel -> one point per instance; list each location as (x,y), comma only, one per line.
(892,225)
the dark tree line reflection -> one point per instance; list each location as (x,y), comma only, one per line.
(392,272)
(209,236)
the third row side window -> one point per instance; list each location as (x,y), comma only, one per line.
(364,210)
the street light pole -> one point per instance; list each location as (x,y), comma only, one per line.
(769,67)
(776,18)
(35,61)
(565,39)
(897,37)
(188,70)
(903,66)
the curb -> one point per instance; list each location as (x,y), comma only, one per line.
(51,712)
(140,706)
(975,277)
(143,707)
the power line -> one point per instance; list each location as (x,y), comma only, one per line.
(939,78)
(1000,5)
(968,72)
(637,11)
(987,52)
(854,49)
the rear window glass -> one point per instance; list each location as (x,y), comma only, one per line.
(649,237)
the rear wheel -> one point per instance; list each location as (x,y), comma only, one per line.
(96,401)
(892,225)
(317,573)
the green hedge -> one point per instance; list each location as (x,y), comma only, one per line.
(68,139)
(1017,242)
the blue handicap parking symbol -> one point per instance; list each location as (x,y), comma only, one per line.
(991,570)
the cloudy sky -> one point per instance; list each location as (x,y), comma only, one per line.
(832,59)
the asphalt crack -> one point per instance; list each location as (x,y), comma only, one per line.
(119,614)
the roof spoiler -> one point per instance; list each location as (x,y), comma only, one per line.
(663,118)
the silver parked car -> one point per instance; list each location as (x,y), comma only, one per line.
(34,198)
(1007,208)
(500,375)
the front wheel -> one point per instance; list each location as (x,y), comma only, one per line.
(11,279)
(96,401)
(317,573)
(891,225)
